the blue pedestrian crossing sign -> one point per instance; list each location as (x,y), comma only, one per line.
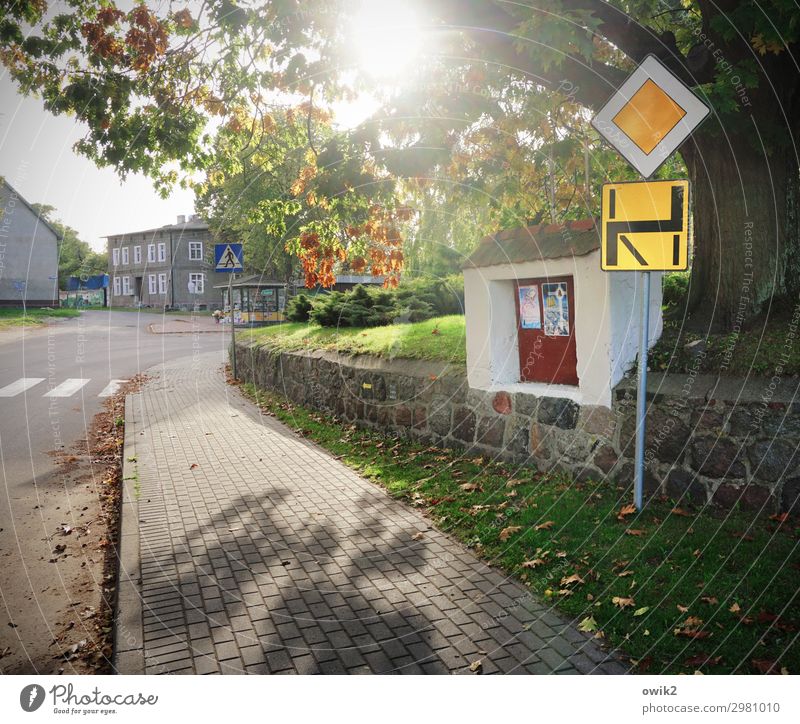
(228,258)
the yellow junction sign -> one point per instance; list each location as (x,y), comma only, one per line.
(645,226)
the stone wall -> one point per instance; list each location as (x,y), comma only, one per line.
(722,441)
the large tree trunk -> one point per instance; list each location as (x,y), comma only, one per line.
(747,251)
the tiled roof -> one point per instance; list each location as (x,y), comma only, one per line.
(534,243)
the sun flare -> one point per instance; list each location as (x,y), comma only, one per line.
(387,38)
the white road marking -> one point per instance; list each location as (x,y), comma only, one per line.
(22,384)
(67,388)
(111,388)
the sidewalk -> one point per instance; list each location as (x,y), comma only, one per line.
(246,549)
(191,324)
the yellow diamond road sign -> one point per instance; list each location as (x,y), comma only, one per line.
(651,114)
(645,226)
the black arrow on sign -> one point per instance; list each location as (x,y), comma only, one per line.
(615,229)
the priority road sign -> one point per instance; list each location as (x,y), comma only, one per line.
(650,116)
(228,258)
(645,226)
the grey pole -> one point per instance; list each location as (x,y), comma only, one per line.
(233,326)
(641,393)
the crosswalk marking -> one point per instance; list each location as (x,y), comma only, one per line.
(22,384)
(111,388)
(67,388)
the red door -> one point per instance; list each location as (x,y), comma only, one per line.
(546,330)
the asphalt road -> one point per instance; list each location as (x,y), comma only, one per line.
(53,380)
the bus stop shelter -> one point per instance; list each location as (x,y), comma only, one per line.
(256,301)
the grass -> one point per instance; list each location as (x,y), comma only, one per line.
(16,317)
(441,339)
(678,590)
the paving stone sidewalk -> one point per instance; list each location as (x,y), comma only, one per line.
(246,549)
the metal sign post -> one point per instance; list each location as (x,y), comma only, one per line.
(230,258)
(641,392)
(233,327)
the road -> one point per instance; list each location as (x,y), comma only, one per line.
(53,381)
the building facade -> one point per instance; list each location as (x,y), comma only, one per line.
(28,253)
(171,267)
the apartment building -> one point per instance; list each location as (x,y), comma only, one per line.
(170,267)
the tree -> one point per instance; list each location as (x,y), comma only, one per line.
(287,183)
(75,257)
(145,84)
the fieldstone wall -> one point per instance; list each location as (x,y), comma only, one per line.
(709,440)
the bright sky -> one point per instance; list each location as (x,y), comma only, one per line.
(36,158)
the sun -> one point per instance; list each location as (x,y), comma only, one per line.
(387,38)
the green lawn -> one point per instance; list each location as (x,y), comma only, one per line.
(15,317)
(679,591)
(441,338)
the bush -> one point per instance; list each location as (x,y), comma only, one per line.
(414,301)
(299,308)
(675,289)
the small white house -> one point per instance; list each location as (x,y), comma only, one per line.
(542,318)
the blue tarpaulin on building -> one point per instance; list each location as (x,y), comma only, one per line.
(98,281)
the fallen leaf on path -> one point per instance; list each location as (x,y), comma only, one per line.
(533,563)
(765,666)
(506,533)
(625,511)
(418,536)
(702,660)
(192,466)
(476,666)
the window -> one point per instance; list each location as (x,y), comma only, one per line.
(162,251)
(195,250)
(125,257)
(115,256)
(162,283)
(151,284)
(137,254)
(126,286)
(117,288)
(151,253)
(196,283)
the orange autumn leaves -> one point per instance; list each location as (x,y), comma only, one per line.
(373,247)
(145,41)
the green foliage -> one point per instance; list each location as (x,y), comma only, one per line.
(298,308)
(412,301)
(75,257)
(675,286)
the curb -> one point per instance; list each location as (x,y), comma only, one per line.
(128,657)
